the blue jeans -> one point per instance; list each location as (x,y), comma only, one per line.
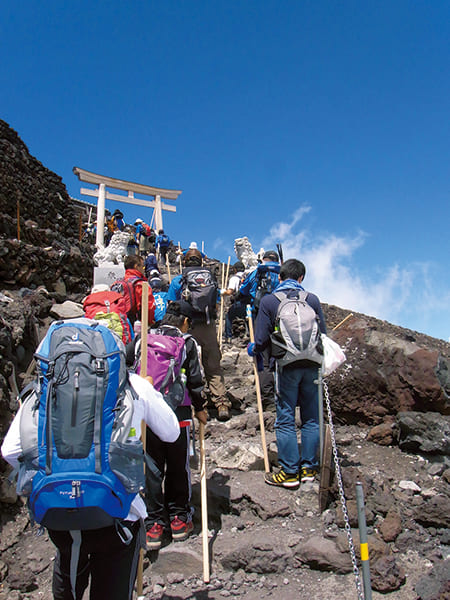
(296,387)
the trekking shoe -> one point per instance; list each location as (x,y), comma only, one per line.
(223,412)
(282,479)
(154,536)
(180,529)
(308,474)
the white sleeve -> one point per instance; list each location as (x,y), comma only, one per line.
(11,447)
(157,413)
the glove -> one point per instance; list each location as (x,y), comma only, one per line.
(251,349)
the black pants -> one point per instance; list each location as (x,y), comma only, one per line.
(111,564)
(169,463)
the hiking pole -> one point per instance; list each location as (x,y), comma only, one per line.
(224,281)
(179,258)
(342,322)
(144,333)
(204,503)
(168,268)
(258,394)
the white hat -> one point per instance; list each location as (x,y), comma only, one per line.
(138,221)
(193,246)
(100,287)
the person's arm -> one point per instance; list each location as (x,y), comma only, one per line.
(156,412)
(11,447)
(314,303)
(174,291)
(265,322)
(194,378)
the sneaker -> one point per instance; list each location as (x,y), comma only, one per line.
(308,474)
(223,412)
(282,479)
(181,529)
(154,536)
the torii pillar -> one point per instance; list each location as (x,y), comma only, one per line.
(102,181)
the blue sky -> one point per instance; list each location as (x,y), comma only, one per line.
(322,125)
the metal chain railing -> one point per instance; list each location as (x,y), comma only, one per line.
(342,495)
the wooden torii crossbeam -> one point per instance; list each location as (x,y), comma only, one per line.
(102,181)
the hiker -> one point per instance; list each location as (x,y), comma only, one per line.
(160,297)
(238,307)
(151,263)
(107,552)
(141,233)
(162,244)
(193,246)
(297,373)
(131,288)
(261,281)
(197,285)
(169,462)
(117,219)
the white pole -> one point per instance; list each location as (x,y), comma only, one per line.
(100,239)
(158,213)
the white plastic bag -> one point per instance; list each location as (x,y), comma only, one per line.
(333,355)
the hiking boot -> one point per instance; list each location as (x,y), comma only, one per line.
(181,529)
(281,479)
(154,536)
(308,474)
(223,412)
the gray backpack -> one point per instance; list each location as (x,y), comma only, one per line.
(297,334)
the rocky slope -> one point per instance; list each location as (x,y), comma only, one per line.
(389,405)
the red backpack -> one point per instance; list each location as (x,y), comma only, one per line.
(127,289)
(110,308)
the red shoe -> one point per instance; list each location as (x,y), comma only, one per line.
(154,536)
(180,529)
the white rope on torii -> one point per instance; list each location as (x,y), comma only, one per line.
(102,181)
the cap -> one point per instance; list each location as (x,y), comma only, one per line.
(155,283)
(154,273)
(193,246)
(138,221)
(271,255)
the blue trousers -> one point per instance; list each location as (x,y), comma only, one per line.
(296,387)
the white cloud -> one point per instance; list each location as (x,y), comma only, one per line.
(393,294)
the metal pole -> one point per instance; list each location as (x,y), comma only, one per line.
(364,548)
(320,399)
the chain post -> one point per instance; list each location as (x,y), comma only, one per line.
(337,465)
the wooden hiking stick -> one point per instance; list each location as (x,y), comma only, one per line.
(168,268)
(179,258)
(204,503)
(144,334)
(342,322)
(224,280)
(258,393)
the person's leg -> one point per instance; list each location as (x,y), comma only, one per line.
(61,585)
(286,432)
(178,477)
(114,563)
(154,476)
(266,379)
(206,336)
(309,414)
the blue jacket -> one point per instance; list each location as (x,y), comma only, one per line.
(265,321)
(159,239)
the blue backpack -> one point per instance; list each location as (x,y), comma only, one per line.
(88,463)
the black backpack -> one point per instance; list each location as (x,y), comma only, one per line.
(199,288)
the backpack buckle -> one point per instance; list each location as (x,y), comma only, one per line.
(99,366)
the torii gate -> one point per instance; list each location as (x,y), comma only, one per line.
(102,181)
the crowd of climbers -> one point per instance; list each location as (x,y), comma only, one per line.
(185,309)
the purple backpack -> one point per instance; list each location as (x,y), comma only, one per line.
(165,357)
